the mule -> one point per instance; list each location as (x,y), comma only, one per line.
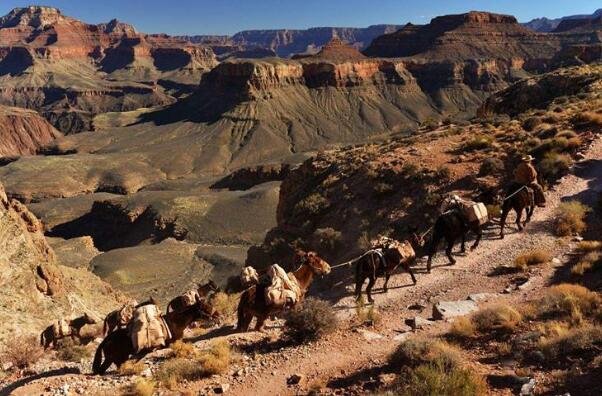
(252,301)
(372,265)
(452,226)
(49,337)
(179,302)
(117,347)
(518,198)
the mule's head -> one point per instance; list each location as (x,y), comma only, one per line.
(209,287)
(205,310)
(89,319)
(415,238)
(318,265)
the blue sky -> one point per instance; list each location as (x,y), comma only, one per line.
(230,16)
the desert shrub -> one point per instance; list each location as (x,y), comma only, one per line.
(173,371)
(383,188)
(557,144)
(216,359)
(181,349)
(546,131)
(132,367)
(589,261)
(22,352)
(313,205)
(494,211)
(567,134)
(417,351)
(366,315)
(531,123)
(443,174)
(141,387)
(478,143)
(569,301)
(534,257)
(435,379)
(364,242)
(69,351)
(589,246)
(588,119)
(491,166)
(531,143)
(554,166)
(570,218)
(225,304)
(432,198)
(574,341)
(314,319)
(462,327)
(328,238)
(496,317)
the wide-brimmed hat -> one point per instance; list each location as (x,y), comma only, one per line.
(528,158)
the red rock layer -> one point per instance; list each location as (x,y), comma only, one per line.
(23,132)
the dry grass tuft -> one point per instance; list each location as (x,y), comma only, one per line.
(572,342)
(417,351)
(589,246)
(23,352)
(132,367)
(496,317)
(554,165)
(462,328)
(225,304)
(588,118)
(533,257)
(570,218)
(568,300)
(141,387)
(216,359)
(181,349)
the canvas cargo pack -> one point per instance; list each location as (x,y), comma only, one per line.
(190,297)
(147,329)
(283,290)
(476,212)
(61,328)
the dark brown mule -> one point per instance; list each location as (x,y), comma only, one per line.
(451,226)
(370,266)
(49,338)
(252,301)
(519,198)
(112,320)
(117,347)
(179,302)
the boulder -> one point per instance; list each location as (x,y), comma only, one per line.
(444,310)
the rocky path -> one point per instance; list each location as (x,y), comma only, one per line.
(266,366)
(352,349)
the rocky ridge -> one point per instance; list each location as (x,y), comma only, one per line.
(23,132)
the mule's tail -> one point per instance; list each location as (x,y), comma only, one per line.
(97,363)
(43,340)
(105,327)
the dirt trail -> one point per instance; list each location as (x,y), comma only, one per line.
(348,350)
(266,363)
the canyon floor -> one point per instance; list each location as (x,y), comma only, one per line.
(349,361)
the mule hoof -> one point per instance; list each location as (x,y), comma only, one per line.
(385,290)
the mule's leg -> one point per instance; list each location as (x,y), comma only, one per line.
(463,246)
(260,322)
(479,232)
(505,211)
(407,268)
(105,366)
(432,251)
(359,283)
(519,215)
(385,287)
(448,251)
(530,211)
(371,282)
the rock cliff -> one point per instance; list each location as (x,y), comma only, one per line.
(23,132)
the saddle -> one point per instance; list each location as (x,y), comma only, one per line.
(61,328)
(147,329)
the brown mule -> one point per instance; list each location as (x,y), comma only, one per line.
(179,302)
(252,301)
(370,266)
(520,198)
(117,346)
(49,337)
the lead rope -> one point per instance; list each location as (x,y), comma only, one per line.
(514,193)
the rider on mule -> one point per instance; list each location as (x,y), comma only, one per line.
(526,175)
